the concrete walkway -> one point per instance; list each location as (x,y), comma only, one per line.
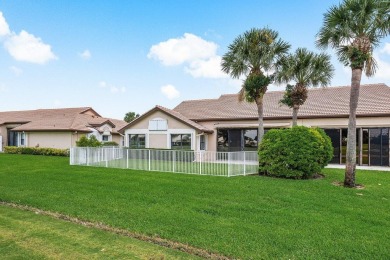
(368,168)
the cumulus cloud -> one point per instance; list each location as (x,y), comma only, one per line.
(17,71)
(210,68)
(85,55)
(198,56)
(170,91)
(4,28)
(180,50)
(386,49)
(113,89)
(383,70)
(26,47)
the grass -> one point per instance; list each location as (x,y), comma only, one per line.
(244,217)
(27,235)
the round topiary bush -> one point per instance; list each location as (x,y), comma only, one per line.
(298,152)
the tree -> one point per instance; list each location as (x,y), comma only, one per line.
(354,28)
(130,116)
(306,69)
(254,55)
(90,141)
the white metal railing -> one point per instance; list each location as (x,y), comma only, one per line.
(192,162)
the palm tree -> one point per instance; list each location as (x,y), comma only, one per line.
(354,28)
(253,55)
(306,69)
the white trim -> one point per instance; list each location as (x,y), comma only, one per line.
(168,133)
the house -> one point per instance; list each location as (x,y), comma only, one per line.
(56,128)
(225,124)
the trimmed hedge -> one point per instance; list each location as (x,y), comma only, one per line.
(111,143)
(36,151)
(297,152)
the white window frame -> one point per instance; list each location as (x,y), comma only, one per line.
(158,124)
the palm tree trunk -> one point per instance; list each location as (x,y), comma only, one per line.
(260,130)
(295,115)
(350,165)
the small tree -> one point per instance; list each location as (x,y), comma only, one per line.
(130,116)
(306,69)
(253,55)
(90,141)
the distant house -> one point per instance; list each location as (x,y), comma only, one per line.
(56,128)
(225,124)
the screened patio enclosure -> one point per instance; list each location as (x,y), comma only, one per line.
(372,146)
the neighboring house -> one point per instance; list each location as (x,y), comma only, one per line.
(56,128)
(225,124)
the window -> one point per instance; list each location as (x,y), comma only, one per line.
(136,141)
(105,138)
(158,124)
(202,143)
(181,141)
(22,139)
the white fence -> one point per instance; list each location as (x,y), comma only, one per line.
(192,162)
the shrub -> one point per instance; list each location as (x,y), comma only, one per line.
(112,143)
(36,151)
(90,141)
(297,152)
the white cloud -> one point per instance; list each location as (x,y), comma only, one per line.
(180,50)
(198,56)
(26,47)
(112,88)
(4,28)
(102,84)
(17,71)
(85,55)
(383,70)
(170,91)
(210,68)
(386,49)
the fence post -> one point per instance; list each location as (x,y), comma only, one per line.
(106,157)
(244,164)
(127,158)
(149,160)
(86,156)
(200,166)
(174,160)
(228,155)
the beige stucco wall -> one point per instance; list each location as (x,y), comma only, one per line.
(117,139)
(172,122)
(368,122)
(158,141)
(3,133)
(61,140)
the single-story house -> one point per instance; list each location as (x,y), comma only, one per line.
(226,124)
(56,128)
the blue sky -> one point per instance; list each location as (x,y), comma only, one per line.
(119,56)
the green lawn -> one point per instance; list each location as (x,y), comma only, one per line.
(244,217)
(26,235)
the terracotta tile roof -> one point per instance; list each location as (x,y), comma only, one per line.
(62,119)
(374,100)
(172,113)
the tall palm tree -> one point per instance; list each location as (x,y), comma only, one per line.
(354,28)
(306,69)
(253,55)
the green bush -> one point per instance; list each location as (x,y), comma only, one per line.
(36,151)
(297,152)
(112,143)
(90,141)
